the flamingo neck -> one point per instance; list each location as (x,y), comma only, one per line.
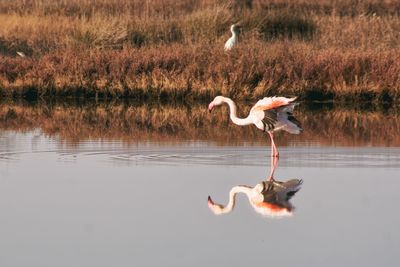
(232,197)
(233,116)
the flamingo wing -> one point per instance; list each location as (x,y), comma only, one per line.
(268,103)
(269,119)
(266,111)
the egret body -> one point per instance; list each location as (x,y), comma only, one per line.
(235,29)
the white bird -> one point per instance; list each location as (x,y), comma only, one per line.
(21,54)
(269,114)
(235,29)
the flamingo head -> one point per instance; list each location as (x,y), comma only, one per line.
(218,100)
(215,208)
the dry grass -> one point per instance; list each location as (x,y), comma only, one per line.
(320,50)
(132,123)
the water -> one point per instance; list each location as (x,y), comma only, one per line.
(102,199)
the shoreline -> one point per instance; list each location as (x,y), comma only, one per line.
(130,122)
(32,94)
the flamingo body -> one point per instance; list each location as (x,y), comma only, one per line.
(275,113)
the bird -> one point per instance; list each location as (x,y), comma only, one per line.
(268,198)
(235,29)
(21,54)
(269,114)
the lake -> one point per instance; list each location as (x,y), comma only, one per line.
(122,184)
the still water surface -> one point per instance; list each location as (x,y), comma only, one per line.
(106,202)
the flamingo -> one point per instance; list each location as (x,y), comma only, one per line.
(269,114)
(235,29)
(269,198)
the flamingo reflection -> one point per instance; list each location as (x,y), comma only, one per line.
(269,198)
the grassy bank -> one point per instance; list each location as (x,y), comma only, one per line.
(319,50)
(131,123)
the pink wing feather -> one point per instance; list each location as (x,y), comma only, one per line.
(272,102)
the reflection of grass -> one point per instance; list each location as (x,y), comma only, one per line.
(132,123)
(319,49)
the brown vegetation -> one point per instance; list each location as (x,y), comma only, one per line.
(133,123)
(318,49)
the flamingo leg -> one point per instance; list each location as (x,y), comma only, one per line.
(274,149)
(272,145)
(274,163)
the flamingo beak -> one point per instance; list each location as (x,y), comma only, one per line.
(215,208)
(210,107)
(210,202)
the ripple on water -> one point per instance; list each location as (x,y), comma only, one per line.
(7,156)
(19,146)
(174,157)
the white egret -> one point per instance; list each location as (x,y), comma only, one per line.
(235,29)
